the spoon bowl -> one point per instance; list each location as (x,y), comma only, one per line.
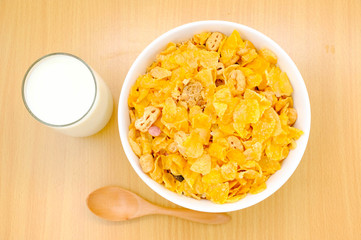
(117,204)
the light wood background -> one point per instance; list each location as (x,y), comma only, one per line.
(45,176)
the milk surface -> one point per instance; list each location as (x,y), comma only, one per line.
(59,89)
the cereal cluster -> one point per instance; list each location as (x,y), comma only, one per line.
(212,117)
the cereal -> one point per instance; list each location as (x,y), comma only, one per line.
(230,47)
(135,147)
(292,116)
(192,93)
(193,145)
(220,68)
(146,163)
(212,118)
(202,165)
(235,143)
(240,81)
(154,131)
(160,73)
(268,55)
(201,38)
(149,117)
(214,41)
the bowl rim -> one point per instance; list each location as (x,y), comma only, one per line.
(169,195)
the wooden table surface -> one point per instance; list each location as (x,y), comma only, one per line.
(45,176)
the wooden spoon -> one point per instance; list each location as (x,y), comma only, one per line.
(117,204)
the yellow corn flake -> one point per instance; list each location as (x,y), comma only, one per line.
(269,125)
(263,129)
(227,71)
(247,71)
(133,133)
(229,171)
(160,142)
(215,176)
(160,73)
(232,186)
(254,153)
(194,110)
(135,147)
(235,198)
(210,111)
(258,185)
(208,94)
(223,95)
(234,190)
(235,155)
(143,93)
(285,85)
(187,189)
(271,114)
(177,159)
(198,186)
(169,181)
(269,166)
(248,44)
(263,102)
(254,80)
(268,55)
(276,152)
(249,57)
(281,139)
(193,145)
(201,38)
(173,116)
(248,165)
(157,172)
(216,133)
(166,162)
(220,109)
(202,165)
(171,47)
(206,77)
(176,170)
(279,82)
(283,103)
(228,115)
(218,151)
(169,111)
(294,133)
(227,129)
(201,120)
(146,143)
(247,111)
(190,176)
(204,134)
(208,59)
(229,49)
(249,174)
(218,193)
(242,130)
(179,138)
(221,141)
(259,65)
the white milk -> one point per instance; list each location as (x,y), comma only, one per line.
(61,91)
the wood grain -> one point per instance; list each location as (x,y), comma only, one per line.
(45,177)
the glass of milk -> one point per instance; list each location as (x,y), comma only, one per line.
(63,92)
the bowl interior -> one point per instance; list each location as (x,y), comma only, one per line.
(300,96)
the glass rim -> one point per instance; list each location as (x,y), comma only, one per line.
(26,77)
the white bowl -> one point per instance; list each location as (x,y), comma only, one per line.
(300,97)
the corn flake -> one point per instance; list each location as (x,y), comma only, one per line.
(202,165)
(226,117)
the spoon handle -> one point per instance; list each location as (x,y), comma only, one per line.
(195,216)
